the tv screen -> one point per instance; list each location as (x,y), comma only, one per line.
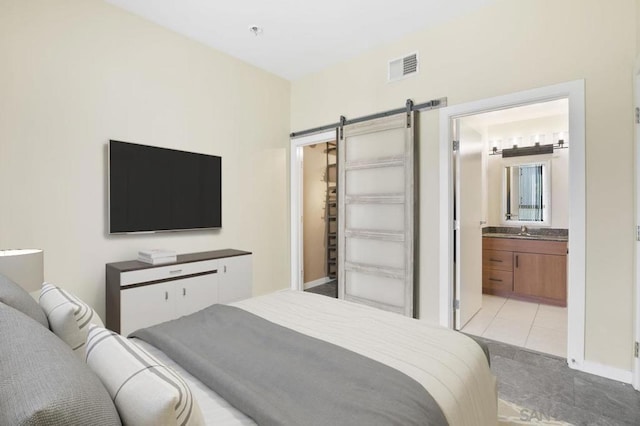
(160,189)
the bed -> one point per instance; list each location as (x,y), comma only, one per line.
(448,366)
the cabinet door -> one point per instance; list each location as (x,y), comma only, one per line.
(195,293)
(236,279)
(541,275)
(145,306)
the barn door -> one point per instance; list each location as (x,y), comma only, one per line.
(376,213)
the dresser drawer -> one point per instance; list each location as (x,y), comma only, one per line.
(497,259)
(167,272)
(497,280)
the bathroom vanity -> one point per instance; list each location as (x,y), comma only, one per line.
(529,267)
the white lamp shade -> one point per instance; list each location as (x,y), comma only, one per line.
(24,267)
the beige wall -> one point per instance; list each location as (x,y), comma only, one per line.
(314,200)
(76,73)
(508,47)
(559,162)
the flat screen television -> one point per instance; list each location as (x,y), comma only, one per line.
(154,189)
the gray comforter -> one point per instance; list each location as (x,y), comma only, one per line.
(280,377)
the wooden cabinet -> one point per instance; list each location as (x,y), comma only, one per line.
(541,275)
(527,269)
(497,271)
(156,302)
(195,293)
(235,278)
(140,295)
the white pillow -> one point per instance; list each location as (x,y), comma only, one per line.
(69,317)
(145,391)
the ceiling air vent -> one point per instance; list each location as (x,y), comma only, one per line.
(403,67)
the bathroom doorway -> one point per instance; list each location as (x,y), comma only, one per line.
(512,200)
(502,281)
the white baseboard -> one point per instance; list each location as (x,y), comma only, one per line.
(317,282)
(613,373)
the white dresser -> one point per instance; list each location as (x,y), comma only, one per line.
(140,295)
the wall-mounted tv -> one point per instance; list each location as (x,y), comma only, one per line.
(155,189)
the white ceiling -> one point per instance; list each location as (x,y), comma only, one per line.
(480,122)
(300,36)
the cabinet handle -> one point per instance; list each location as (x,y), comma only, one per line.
(184,291)
(495,279)
(516,260)
(225,269)
(166,295)
(175,271)
(496,260)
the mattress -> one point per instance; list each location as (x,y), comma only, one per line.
(451,366)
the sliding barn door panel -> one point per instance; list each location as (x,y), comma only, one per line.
(369,145)
(376,289)
(375,180)
(387,254)
(376,213)
(384,217)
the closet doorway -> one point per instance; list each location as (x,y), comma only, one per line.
(319,218)
(313,209)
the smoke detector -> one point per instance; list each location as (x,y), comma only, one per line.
(255,30)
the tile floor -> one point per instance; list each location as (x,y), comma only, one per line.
(530,325)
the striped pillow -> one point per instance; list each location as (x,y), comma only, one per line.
(69,317)
(145,391)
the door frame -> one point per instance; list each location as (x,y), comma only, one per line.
(574,91)
(296,200)
(635,380)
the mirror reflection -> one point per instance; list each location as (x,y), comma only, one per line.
(526,192)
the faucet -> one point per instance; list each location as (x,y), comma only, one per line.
(524,230)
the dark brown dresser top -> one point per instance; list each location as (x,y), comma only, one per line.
(134,265)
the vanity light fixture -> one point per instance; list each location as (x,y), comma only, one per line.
(560,139)
(538,147)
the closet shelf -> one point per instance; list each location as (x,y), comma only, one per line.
(331,208)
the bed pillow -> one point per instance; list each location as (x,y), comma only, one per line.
(69,317)
(145,391)
(15,296)
(42,382)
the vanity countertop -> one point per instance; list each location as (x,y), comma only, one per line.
(526,237)
(540,234)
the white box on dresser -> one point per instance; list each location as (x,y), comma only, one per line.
(140,295)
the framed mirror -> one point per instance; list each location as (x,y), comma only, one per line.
(526,194)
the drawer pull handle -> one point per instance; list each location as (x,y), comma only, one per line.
(495,279)
(184,291)
(175,271)
(166,295)
(496,260)
(516,261)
